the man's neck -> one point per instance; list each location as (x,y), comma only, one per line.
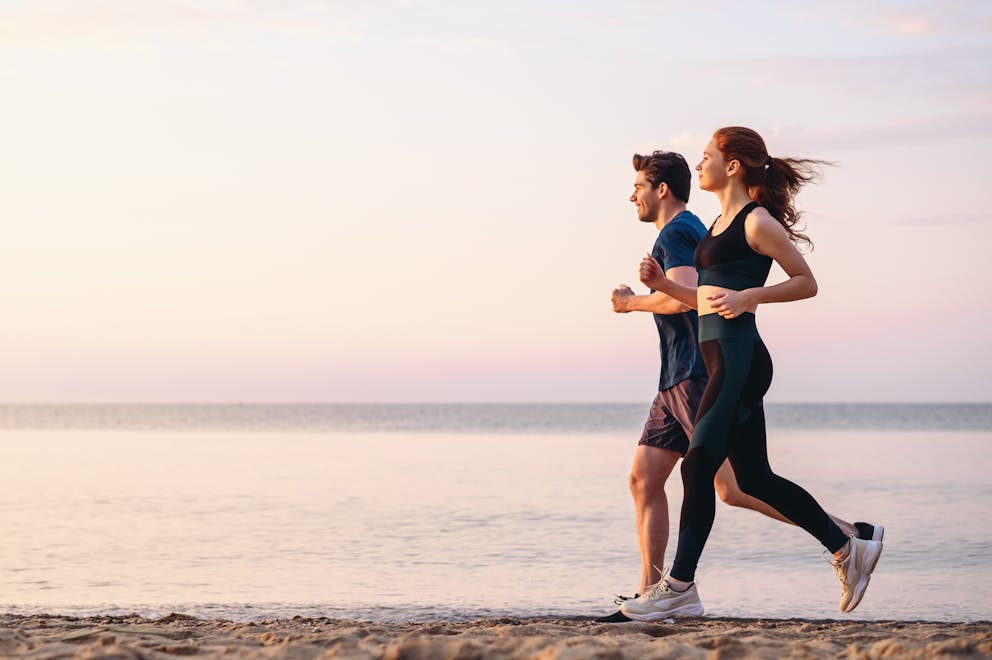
(666,213)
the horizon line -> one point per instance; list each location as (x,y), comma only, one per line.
(460,403)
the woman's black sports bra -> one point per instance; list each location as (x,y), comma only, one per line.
(726,260)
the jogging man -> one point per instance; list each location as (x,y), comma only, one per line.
(661,192)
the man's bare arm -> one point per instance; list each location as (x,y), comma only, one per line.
(625,300)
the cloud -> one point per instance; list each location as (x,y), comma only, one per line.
(937,19)
(121,25)
(959,219)
(876,102)
(687,139)
(116,24)
(955,76)
(894,133)
(926,19)
(915,26)
(796,139)
(456,44)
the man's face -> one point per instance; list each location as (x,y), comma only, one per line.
(646,198)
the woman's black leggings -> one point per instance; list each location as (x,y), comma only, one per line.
(731,423)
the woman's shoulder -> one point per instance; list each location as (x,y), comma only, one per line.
(761,222)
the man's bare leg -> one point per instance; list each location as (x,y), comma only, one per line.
(650,471)
(728,490)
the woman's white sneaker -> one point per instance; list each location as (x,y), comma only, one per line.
(869,531)
(662,602)
(854,571)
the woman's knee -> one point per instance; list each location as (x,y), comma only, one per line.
(753,483)
(736,485)
(728,492)
(698,467)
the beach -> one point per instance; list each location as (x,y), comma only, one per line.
(241,525)
(509,637)
(276,542)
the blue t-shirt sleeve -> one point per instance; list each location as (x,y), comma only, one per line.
(676,246)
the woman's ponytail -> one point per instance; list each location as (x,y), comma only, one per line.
(772,182)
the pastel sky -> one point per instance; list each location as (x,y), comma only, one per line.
(426,200)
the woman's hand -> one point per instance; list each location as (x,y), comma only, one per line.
(651,273)
(731,304)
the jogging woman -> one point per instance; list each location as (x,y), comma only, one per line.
(757,225)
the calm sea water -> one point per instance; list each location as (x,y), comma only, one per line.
(454,512)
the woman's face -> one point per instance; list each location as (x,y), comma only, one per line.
(712,168)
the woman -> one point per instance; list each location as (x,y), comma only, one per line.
(757,225)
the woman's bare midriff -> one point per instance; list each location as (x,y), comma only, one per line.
(704,292)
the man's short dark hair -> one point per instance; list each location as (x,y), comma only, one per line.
(666,167)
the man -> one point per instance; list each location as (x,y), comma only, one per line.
(661,192)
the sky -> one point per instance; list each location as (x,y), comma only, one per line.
(427,200)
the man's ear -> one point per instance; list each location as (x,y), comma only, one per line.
(662,190)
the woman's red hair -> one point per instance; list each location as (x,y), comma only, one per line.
(772,182)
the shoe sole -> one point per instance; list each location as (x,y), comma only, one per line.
(871,559)
(686,610)
(878,534)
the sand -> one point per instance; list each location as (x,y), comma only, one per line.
(44,636)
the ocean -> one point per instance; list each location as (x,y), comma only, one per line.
(454,512)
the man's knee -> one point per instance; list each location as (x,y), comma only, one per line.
(646,483)
(651,470)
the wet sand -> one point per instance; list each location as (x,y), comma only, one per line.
(44,636)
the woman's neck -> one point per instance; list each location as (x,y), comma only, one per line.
(732,200)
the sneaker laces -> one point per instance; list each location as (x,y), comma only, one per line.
(658,587)
(838,566)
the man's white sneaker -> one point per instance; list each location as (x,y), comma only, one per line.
(662,602)
(854,571)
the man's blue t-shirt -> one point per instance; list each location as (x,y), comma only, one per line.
(679,345)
